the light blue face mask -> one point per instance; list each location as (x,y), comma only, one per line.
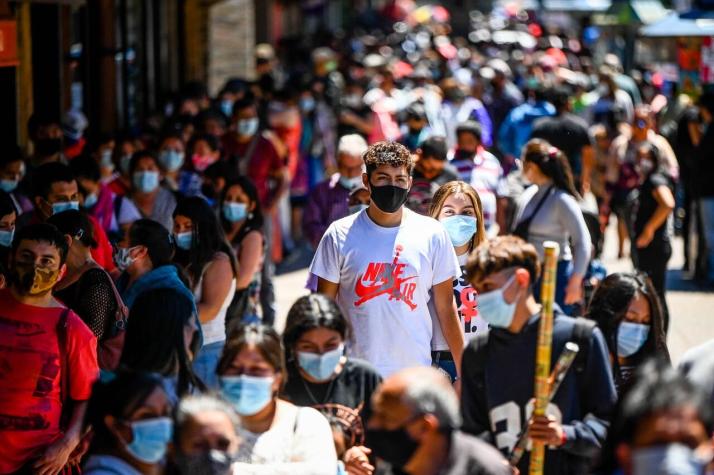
(6,237)
(184,240)
(8,186)
(248,127)
(248,394)
(146,182)
(90,200)
(320,367)
(151,437)
(672,459)
(65,206)
(461,229)
(227,107)
(235,212)
(171,160)
(105,160)
(630,338)
(492,306)
(351,183)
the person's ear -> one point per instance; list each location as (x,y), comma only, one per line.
(365,180)
(62,272)
(523,278)
(68,240)
(277,382)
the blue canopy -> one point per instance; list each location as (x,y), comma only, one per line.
(674,25)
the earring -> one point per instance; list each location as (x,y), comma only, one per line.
(250,215)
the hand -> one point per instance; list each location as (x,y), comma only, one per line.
(55,457)
(545,429)
(347,118)
(356,461)
(574,290)
(644,239)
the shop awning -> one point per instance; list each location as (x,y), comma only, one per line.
(674,25)
(580,6)
(632,12)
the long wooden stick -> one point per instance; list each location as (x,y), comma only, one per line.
(565,361)
(543,350)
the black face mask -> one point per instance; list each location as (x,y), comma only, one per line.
(214,462)
(393,446)
(48,147)
(389,198)
(463,154)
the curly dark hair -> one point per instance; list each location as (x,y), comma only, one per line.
(392,154)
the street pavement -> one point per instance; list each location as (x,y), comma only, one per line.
(691,309)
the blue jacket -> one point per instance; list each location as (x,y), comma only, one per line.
(163,277)
(516,128)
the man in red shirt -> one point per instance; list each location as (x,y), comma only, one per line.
(250,153)
(54,189)
(48,358)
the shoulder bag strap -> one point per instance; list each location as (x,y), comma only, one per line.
(540,203)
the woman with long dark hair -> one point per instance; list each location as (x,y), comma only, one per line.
(131,419)
(242,221)
(652,221)
(206,256)
(321,375)
(627,309)
(162,337)
(549,211)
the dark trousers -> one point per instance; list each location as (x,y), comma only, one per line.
(652,260)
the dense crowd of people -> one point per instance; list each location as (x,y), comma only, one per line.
(425,172)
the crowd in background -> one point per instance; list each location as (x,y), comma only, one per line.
(424,172)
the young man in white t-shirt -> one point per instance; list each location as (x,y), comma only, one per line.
(380,264)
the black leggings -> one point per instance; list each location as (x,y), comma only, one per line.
(652,260)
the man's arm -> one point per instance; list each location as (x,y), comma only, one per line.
(449,319)
(57,454)
(282,180)
(327,288)
(588,156)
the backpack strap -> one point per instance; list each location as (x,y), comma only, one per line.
(122,313)
(582,334)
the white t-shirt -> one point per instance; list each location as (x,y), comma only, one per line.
(472,323)
(300,443)
(384,277)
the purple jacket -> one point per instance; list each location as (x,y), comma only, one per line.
(327,203)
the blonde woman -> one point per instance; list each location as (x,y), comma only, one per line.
(458,206)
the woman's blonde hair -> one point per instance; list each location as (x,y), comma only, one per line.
(451,188)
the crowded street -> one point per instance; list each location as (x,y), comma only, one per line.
(356,237)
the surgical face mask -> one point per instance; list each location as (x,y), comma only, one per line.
(6,237)
(29,279)
(201,162)
(672,459)
(147,181)
(307,104)
(124,163)
(357,208)
(248,394)
(461,229)
(389,198)
(212,462)
(171,160)
(630,338)
(645,166)
(150,439)
(248,127)
(227,107)
(64,206)
(105,160)
(494,309)
(90,200)
(8,186)
(351,183)
(320,367)
(184,240)
(235,212)
(123,258)
(396,446)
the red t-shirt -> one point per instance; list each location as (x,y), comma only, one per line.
(264,163)
(30,385)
